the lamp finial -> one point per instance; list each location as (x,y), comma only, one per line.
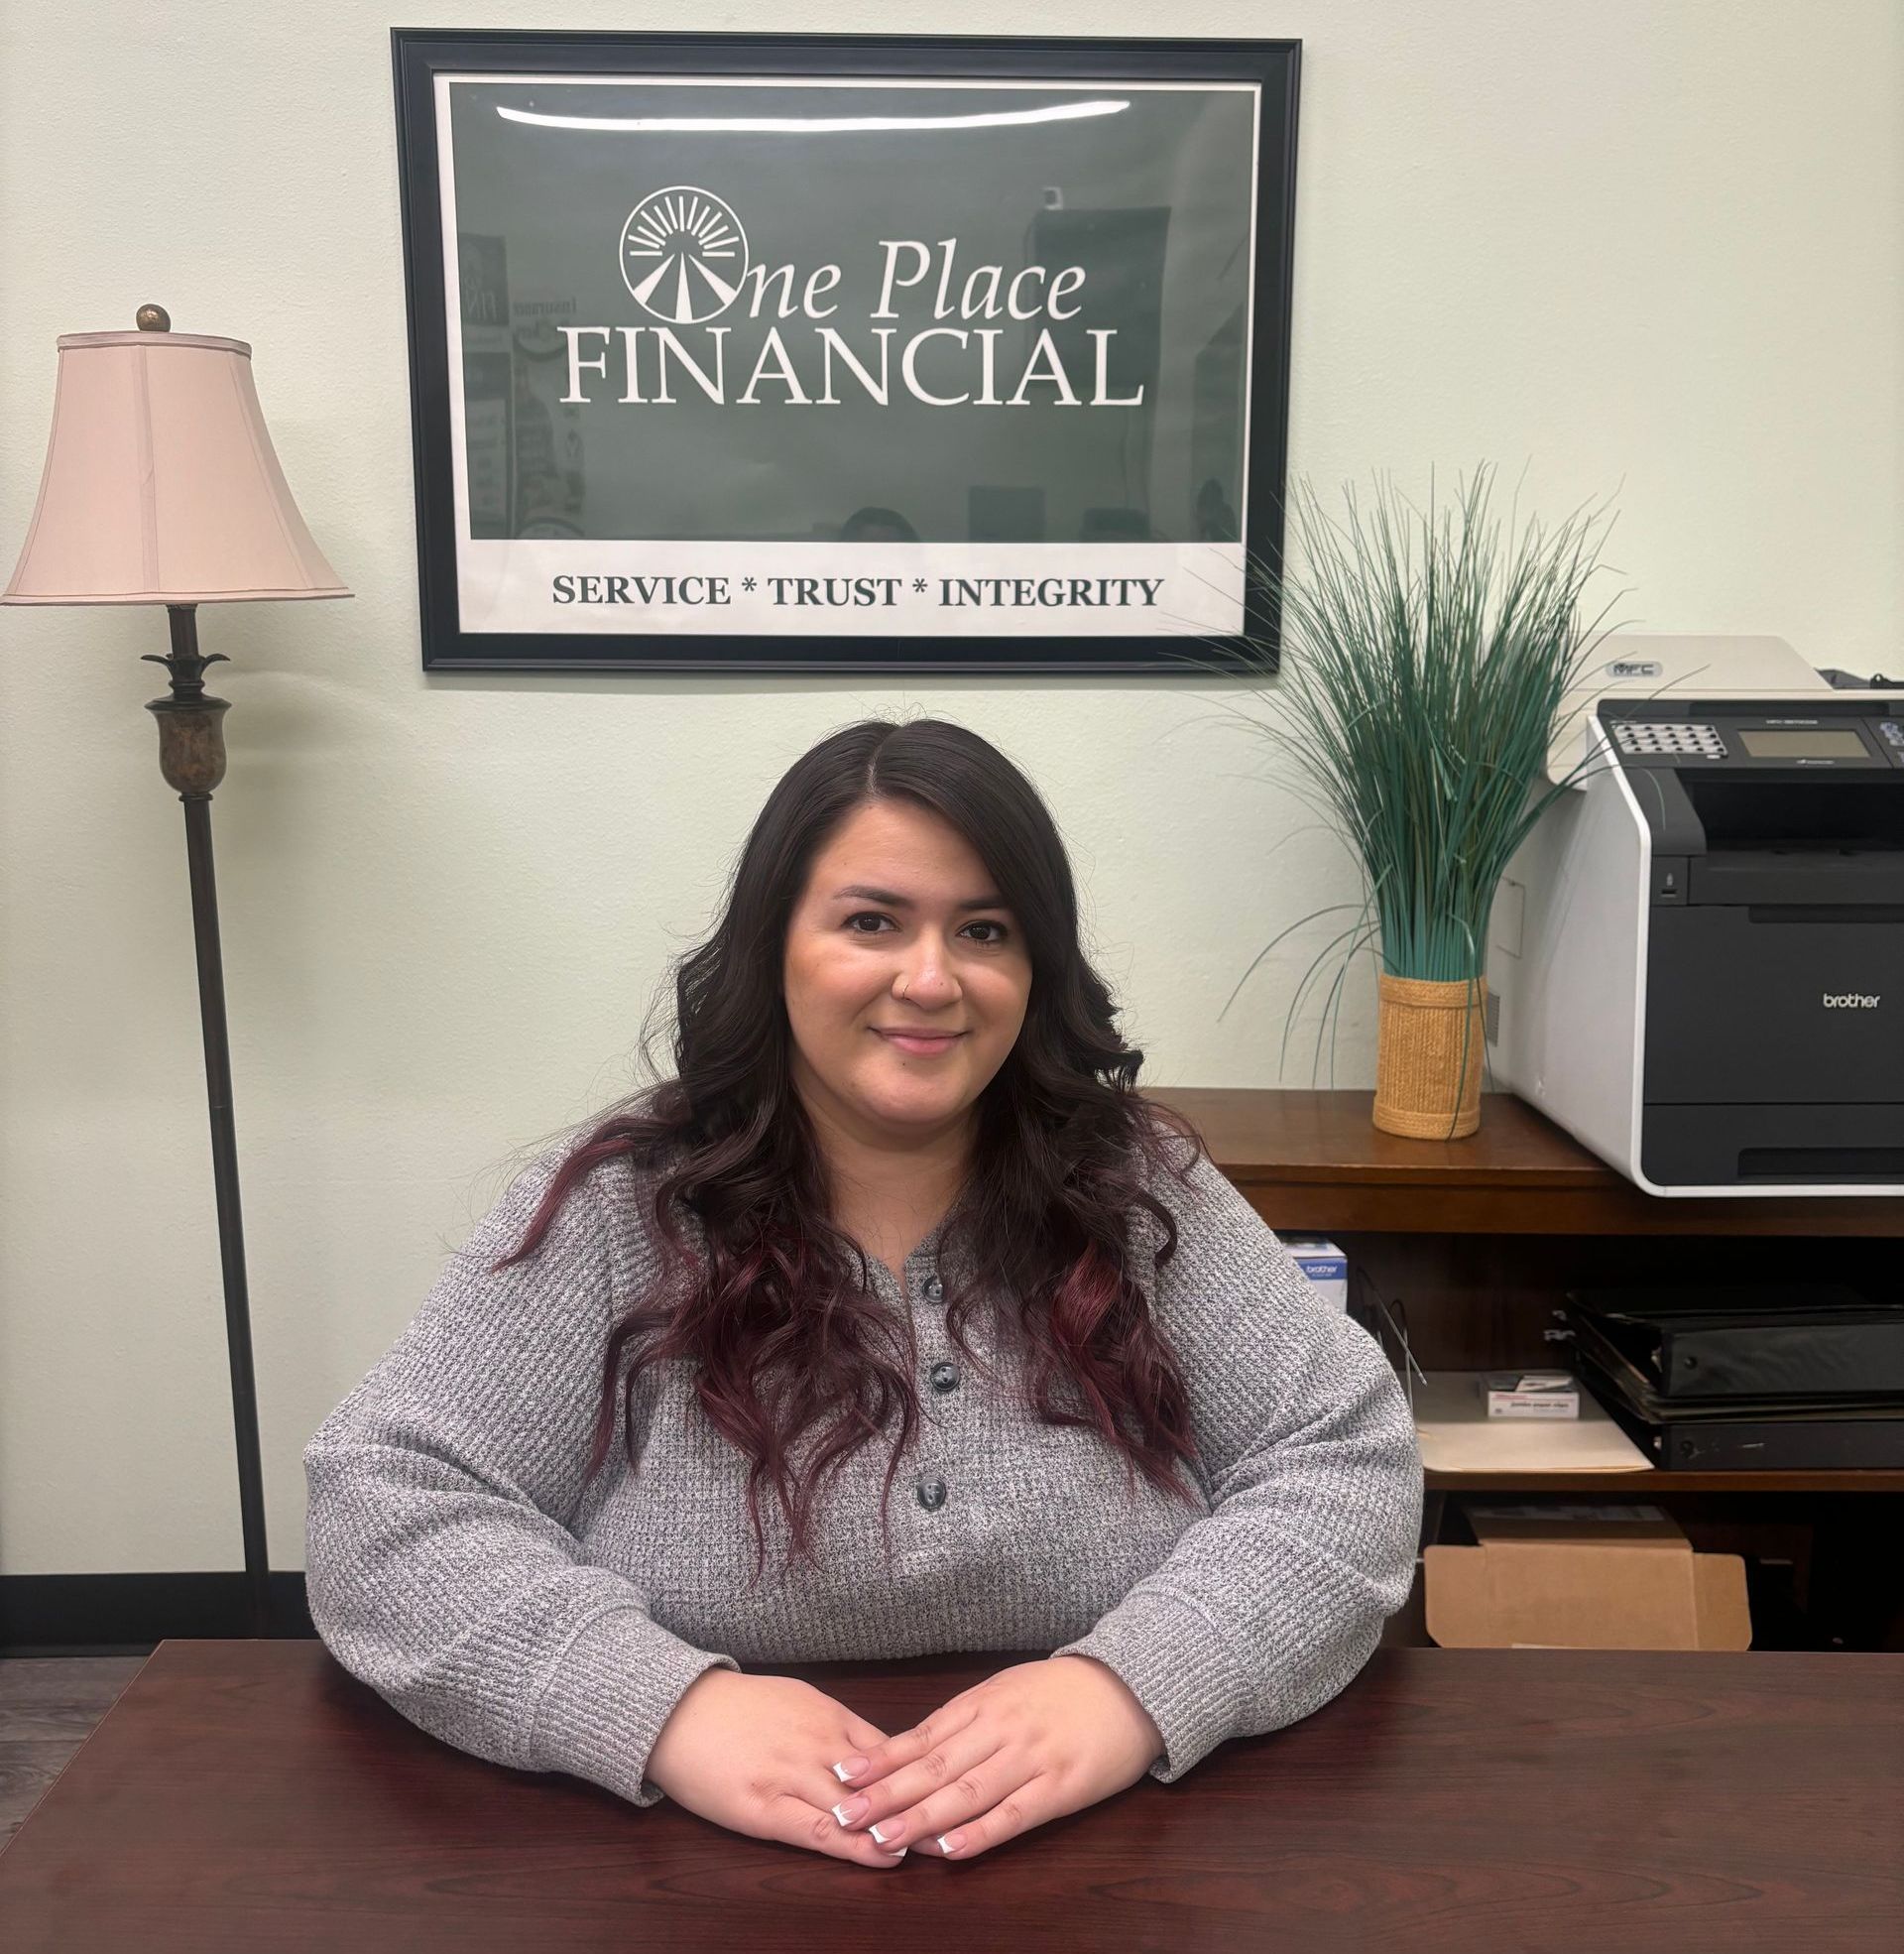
(153,318)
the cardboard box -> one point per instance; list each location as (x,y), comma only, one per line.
(1581,1575)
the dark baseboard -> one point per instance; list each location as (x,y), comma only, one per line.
(131,1613)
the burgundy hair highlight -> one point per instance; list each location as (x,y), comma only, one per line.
(794,1348)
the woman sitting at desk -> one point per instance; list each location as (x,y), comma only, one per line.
(902,1174)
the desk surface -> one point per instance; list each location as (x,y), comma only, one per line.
(249,1796)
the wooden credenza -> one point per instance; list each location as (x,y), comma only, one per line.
(1473,1244)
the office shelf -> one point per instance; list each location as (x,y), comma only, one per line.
(1657,1480)
(1311,1162)
(1483,1235)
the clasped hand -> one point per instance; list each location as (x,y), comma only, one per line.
(1027,1745)
(766,1755)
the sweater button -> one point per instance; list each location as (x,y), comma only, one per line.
(932,1288)
(931,1494)
(944,1377)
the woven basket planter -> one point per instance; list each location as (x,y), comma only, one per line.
(1428,1052)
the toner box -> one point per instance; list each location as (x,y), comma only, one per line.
(1325,1265)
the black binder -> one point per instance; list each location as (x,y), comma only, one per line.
(1747,1434)
(1694,1346)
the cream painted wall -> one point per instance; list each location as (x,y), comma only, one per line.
(1644,245)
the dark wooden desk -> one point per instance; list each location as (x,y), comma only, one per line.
(252,1795)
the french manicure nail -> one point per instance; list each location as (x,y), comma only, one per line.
(950,1842)
(848,1809)
(849,1767)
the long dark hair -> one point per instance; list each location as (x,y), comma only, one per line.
(779,1313)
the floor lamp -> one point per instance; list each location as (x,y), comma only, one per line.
(161,487)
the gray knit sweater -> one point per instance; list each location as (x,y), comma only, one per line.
(457,1565)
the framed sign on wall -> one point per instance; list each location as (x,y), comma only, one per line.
(798,353)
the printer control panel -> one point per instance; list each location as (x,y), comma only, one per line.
(1668,737)
(1740,736)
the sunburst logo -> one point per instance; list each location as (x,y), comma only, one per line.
(683,255)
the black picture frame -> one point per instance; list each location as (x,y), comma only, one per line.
(1273,65)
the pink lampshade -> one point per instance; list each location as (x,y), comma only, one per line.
(161,484)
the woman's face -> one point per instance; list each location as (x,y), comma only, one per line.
(898,930)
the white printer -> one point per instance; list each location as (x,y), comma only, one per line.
(1697,958)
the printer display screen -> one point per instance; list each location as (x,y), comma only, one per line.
(1765,745)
